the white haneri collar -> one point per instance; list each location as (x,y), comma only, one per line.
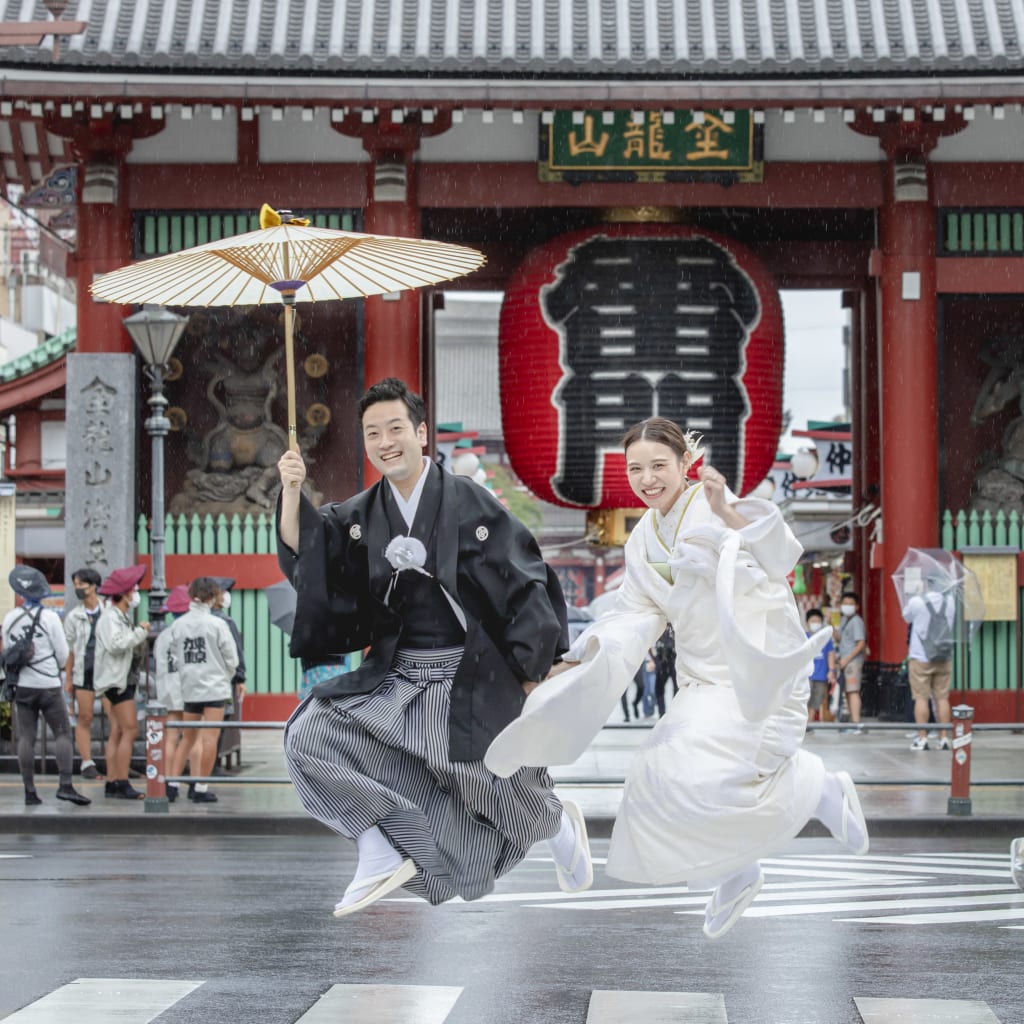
(408,508)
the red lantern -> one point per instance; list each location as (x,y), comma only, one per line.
(604,327)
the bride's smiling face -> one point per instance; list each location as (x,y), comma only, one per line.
(656,474)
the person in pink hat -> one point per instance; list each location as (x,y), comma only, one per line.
(116,639)
(168,682)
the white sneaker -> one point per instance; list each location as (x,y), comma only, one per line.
(944,743)
(919,744)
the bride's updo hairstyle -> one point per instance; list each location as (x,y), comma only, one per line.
(663,431)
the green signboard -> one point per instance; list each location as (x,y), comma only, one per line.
(685,145)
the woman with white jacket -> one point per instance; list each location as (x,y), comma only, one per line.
(116,640)
(206,657)
(722,781)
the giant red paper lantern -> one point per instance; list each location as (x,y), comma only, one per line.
(604,327)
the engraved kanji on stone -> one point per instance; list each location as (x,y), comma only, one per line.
(98,514)
(99,397)
(648,327)
(97,475)
(97,555)
(96,437)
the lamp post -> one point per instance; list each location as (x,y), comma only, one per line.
(156,331)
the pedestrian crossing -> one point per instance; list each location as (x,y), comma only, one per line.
(916,889)
(141,1001)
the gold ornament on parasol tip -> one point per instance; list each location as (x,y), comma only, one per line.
(287,261)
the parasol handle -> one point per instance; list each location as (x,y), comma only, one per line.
(289,356)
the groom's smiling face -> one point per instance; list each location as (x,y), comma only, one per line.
(393,445)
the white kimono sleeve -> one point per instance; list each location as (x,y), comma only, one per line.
(763,642)
(563,715)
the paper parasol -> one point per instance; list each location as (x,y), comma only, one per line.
(286,261)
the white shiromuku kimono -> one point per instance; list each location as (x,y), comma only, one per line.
(722,779)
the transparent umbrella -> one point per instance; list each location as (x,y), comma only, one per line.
(937,579)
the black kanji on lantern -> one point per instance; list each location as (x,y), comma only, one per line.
(648,327)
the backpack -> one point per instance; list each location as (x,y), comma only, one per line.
(18,654)
(938,636)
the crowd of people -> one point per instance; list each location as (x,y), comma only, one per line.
(99,653)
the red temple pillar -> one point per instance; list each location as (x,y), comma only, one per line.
(104,223)
(28,443)
(392,328)
(104,243)
(909,375)
(871,458)
(391,334)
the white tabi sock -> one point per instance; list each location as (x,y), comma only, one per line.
(720,904)
(376,857)
(830,813)
(563,847)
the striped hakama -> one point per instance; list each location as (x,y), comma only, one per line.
(381,758)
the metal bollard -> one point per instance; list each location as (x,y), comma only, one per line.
(960,782)
(156,801)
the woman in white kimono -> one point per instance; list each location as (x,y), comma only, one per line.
(722,780)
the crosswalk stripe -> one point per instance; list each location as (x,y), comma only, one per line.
(768,895)
(15,856)
(944,917)
(382,1004)
(669,890)
(897,864)
(901,904)
(925,1011)
(616,1007)
(100,1000)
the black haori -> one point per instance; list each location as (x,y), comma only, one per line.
(381,758)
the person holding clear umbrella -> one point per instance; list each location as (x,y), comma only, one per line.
(932,618)
(941,600)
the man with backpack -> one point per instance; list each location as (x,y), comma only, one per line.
(930,663)
(35,650)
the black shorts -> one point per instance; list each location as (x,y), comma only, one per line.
(120,696)
(86,682)
(196,707)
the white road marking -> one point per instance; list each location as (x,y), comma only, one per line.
(767,895)
(616,1007)
(925,1011)
(901,904)
(899,864)
(101,1000)
(948,917)
(382,1004)
(15,856)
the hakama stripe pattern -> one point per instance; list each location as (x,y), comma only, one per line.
(381,758)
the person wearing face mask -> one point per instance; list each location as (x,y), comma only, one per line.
(80,628)
(234,711)
(852,648)
(116,641)
(823,672)
(39,693)
(204,651)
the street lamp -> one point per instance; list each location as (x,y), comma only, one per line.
(156,331)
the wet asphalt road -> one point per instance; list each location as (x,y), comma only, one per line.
(249,917)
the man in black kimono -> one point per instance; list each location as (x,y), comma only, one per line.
(461,617)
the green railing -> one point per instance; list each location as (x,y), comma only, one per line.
(990,662)
(159,233)
(984,232)
(270,669)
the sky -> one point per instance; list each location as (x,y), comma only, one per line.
(813,382)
